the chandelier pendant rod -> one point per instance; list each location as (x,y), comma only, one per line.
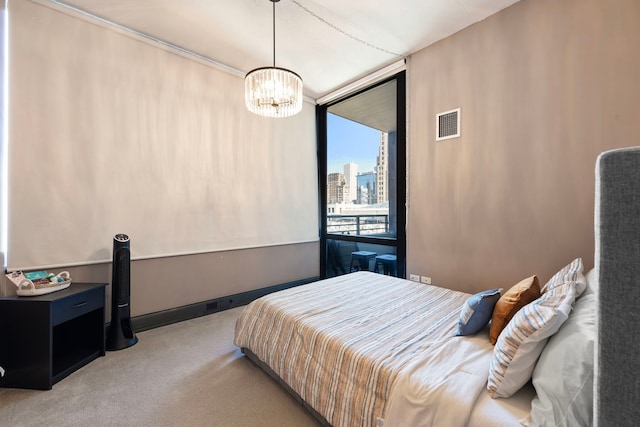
(274,31)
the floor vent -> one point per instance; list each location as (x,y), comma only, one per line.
(448,125)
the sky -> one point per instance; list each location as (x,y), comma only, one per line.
(349,141)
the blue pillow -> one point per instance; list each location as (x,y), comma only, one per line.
(476,311)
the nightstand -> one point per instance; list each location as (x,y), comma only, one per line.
(45,338)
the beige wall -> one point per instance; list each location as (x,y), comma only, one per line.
(544,86)
(44,35)
(164,283)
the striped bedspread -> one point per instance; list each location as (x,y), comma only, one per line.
(340,343)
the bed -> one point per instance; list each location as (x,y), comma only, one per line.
(365,349)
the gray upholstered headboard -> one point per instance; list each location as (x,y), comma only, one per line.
(617,261)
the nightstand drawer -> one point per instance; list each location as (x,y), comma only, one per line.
(76,305)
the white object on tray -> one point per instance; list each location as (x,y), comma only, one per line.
(26,287)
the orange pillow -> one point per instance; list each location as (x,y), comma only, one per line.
(510,302)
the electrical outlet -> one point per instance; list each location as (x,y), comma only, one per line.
(426,280)
(414,277)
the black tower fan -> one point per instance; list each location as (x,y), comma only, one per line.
(120,333)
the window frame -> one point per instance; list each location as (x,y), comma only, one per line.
(399,242)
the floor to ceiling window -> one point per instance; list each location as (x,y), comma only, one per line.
(362,180)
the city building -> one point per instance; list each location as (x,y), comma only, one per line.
(350,173)
(337,190)
(382,168)
(366,191)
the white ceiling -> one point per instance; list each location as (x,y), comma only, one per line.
(329,43)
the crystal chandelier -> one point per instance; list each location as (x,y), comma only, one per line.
(273,91)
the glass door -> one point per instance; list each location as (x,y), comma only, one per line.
(362,181)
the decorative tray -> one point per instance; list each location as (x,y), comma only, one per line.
(39,282)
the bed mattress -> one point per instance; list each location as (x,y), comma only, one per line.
(342,343)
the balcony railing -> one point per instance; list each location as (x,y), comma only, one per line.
(358,224)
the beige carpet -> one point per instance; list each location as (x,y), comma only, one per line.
(185,374)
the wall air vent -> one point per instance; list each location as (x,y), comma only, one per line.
(448,125)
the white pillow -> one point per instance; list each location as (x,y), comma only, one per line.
(563,377)
(521,342)
(592,282)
